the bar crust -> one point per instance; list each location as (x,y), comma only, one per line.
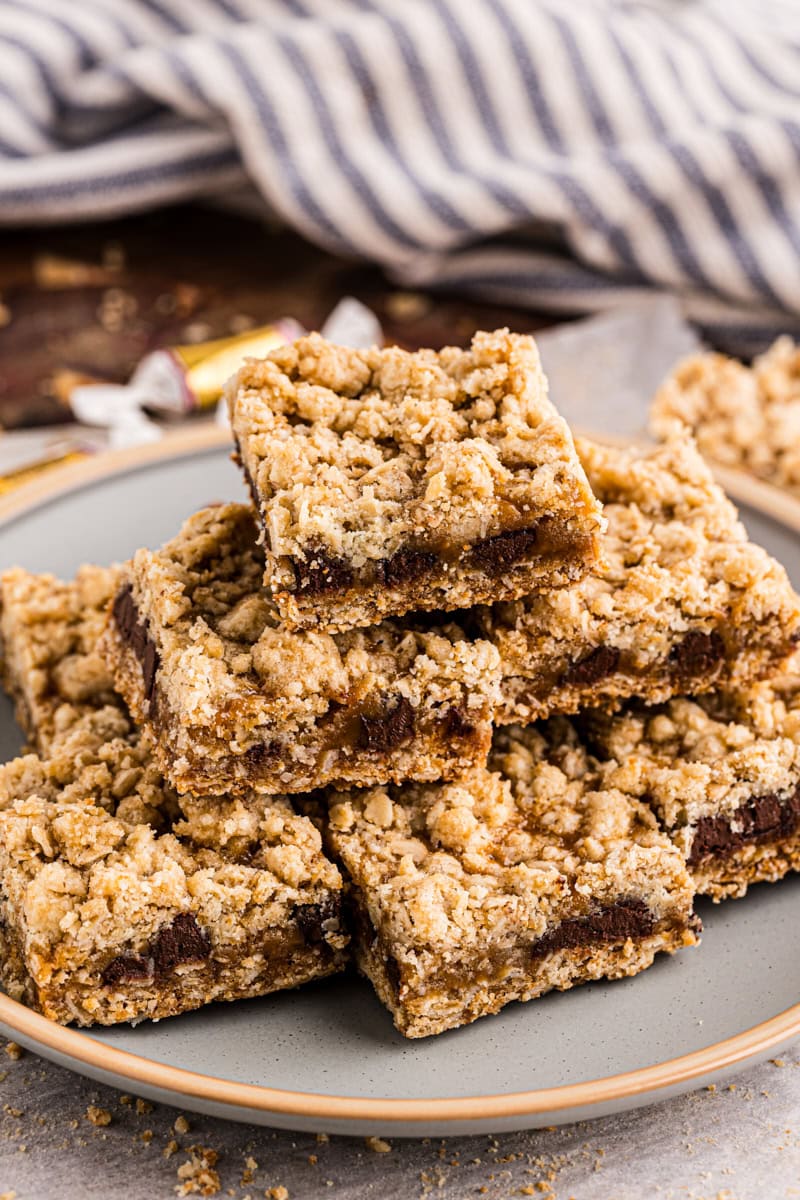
(233,701)
(505,883)
(722,773)
(681,602)
(119,902)
(387,481)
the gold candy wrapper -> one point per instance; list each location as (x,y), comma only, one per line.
(183,379)
(178,380)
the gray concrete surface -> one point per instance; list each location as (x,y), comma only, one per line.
(740,1141)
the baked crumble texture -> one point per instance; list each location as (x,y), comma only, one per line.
(234,701)
(680,603)
(722,773)
(744,417)
(49,633)
(120,902)
(505,883)
(388,481)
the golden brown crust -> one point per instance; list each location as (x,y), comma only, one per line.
(49,632)
(681,602)
(119,902)
(745,417)
(236,701)
(706,767)
(359,459)
(457,883)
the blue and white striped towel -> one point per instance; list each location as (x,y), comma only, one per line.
(564,156)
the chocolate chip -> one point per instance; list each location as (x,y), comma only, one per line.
(390,728)
(181,942)
(127,968)
(764,818)
(456,724)
(497,554)
(322,573)
(615,923)
(134,631)
(407,565)
(312,918)
(602,661)
(699,654)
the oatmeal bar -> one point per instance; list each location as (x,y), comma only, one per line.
(744,417)
(49,631)
(681,602)
(235,701)
(722,773)
(506,883)
(119,902)
(387,481)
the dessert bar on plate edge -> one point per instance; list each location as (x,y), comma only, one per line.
(120,900)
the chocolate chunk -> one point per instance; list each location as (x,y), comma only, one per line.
(496,554)
(765,818)
(699,654)
(322,573)
(407,565)
(312,918)
(127,968)
(602,661)
(134,631)
(456,724)
(390,728)
(261,753)
(615,923)
(181,942)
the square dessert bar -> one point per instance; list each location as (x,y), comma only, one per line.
(49,633)
(681,601)
(118,902)
(505,883)
(722,773)
(387,481)
(233,700)
(744,417)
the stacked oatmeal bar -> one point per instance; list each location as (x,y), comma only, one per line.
(476,706)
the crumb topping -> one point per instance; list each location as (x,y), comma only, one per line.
(361,452)
(674,557)
(224,656)
(704,757)
(533,840)
(745,417)
(96,849)
(52,667)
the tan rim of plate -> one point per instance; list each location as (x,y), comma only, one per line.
(82,1048)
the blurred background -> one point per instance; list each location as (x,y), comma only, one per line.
(173,171)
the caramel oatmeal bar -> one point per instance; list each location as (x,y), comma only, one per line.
(722,774)
(119,902)
(235,701)
(681,602)
(49,631)
(387,481)
(744,417)
(505,884)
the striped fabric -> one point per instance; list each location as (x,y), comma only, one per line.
(561,155)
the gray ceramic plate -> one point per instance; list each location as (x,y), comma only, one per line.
(327,1057)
